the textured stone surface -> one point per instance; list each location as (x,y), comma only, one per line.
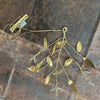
(92,85)
(94,50)
(80,17)
(25,86)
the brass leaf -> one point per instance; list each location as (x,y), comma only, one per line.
(88,63)
(58,44)
(45,43)
(47,79)
(58,72)
(72,86)
(38,70)
(32,68)
(39,64)
(53,50)
(79,46)
(49,61)
(68,62)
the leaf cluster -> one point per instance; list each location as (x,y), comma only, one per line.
(58,45)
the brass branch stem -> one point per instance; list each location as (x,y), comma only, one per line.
(47,47)
(41,30)
(64,71)
(74,49)
(75,61)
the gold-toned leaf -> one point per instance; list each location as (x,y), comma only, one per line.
(32,68)
(58,72)
(58,44)
(49,61)
(72,86)
(47,79)
(68,62)
(53,50)
(39,64)
(88,62)
(79,46)
(38,70)
(45,43)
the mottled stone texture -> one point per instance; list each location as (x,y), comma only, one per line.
(79,16)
